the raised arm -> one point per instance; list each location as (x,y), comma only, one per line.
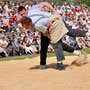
(46,4)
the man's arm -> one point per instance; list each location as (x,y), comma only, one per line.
(46,4)
(45,33)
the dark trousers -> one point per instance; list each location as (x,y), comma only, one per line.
(44,47)
(74,32)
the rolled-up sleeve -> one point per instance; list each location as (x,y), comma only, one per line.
(40,27)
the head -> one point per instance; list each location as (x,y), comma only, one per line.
(18,38)
(3,37)
(22,11)
(12,32)
(26,22)
(25,38)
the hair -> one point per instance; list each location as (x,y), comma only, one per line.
(26,21)
(21,8)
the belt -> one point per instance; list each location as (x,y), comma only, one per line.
(52,23)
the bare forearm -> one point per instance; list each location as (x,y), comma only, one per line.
(46,4)
(46,34)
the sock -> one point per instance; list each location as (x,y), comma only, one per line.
(59,61)
(76,52)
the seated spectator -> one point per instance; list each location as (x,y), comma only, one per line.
(8,14)
(33,43)
(66,39)
(11,49)
(10,27)
(72,41)
(26,45)
(4,42)
(80,43)
(12,35)
(18,45)
(50,49)
(3,45)
(16,34)
(2,51)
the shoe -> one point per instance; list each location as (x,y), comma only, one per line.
(78,53)
(60,66)
(81,60)
(42,67)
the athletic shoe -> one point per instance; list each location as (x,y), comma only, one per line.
(60,66)
(78,53)
(42,67)
(81,60)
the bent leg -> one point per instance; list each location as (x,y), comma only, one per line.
(70,49)
(58,51)
(74,32)
(67,48)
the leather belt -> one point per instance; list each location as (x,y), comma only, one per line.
(52,23)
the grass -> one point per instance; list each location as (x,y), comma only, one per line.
(22,57)
(70,54)
(32,56)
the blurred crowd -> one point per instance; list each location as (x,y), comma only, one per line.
(15,40)
(77,17)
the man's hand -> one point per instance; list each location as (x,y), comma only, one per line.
(47,34)
(46,4)
(49,24)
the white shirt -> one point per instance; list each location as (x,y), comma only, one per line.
(42,18)
(59,11)
(4,41)
(74,27)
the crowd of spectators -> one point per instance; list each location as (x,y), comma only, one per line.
(77,17)
(15,40)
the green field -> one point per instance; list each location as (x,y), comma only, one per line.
(32,56)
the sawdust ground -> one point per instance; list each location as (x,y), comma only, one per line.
(24,75)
